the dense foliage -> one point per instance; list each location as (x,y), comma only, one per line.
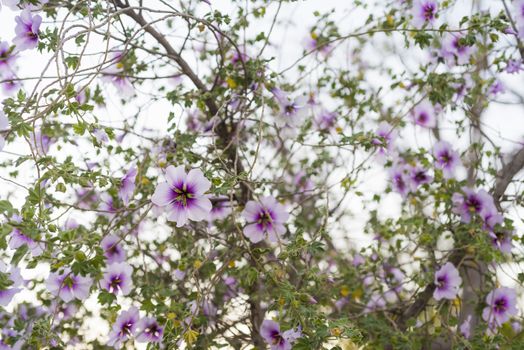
(261,174)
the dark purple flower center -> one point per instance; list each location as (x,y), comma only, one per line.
(290,109)
(445,157)
(420,176)
(442,281)
(473,204)
(126,328)
(277,338)
(265,217)
(423,117)
(183,194)
(500,305)
(429,11)
(153,330)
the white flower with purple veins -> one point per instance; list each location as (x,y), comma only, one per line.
(292,112)
(446,158)
(27,30)
(124,328)
(127,185)
(424,12)
(4,125)
(265,219)
(447,282)
(183,195)
(423,115)
(501,305)
(68,286)
(113,251)
(117,278)
(16,280)
(149,331)
(277,340)
(472,203)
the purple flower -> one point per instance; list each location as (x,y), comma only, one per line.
(10,84)
(113,251)
(502,240)
(127,185)
(270,331)
(446,158)
(124,327)
(40,142)
(465,327)
(423,114)
(471,203)
(497,88)
(27,30)
(326,121)
(7,58)
(399,179)
(424,12)
(502,304)
(418,176)
(514,66)
(149,331)
(6,295)
(385,135)
(68,286)
(117,278)
(375,302)
(107,205)
(183,195)
(18,239)
(292,112)
(265,219)
(447,281)
(453,51)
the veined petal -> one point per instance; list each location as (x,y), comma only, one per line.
(163,194)
(175,176)
(198,182)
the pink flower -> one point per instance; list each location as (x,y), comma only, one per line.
(183,195)
(265,220)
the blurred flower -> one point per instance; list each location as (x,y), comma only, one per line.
(502,304)
(27,30)
(68,286)
(447,281)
